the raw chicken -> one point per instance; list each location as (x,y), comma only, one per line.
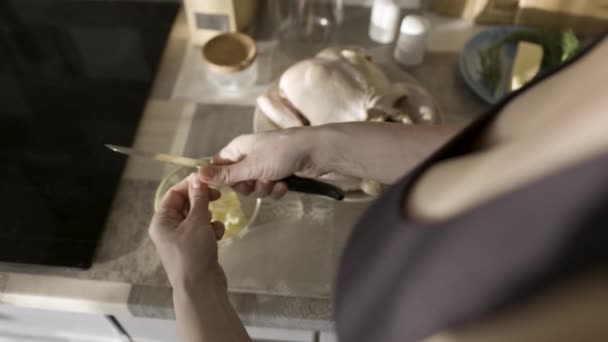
(337,85)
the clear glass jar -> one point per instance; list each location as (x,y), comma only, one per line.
(310,23)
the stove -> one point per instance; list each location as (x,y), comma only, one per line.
(74,74)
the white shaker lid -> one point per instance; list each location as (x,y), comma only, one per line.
(414,24)
(384,9)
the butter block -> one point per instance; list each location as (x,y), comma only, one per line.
(528,59)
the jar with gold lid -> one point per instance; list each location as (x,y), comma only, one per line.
(230,60)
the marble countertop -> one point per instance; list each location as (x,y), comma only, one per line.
(127,276)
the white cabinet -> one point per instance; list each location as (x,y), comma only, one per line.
(148,329)
(328,337)
(160,330)
(33,325)
(18,324)
(259,334)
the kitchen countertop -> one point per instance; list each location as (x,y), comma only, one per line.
(127,276)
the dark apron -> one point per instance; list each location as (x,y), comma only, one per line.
(402,280)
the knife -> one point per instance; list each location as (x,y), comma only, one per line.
(294,183)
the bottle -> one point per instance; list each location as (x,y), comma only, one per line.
(384,21)
(411,43)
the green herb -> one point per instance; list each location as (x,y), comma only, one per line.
(491,66)
(558,46)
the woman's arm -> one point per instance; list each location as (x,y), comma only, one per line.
(375,151)
(204,313)
(379,151)
(186,243)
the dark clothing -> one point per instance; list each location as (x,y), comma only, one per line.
(402,280)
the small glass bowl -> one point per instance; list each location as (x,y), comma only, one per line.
(249,205)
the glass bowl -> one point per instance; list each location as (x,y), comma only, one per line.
(237,212)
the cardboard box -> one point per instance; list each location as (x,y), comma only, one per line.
(207,18)
(583,16)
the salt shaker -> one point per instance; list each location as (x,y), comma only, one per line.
(411,43)
(384,21)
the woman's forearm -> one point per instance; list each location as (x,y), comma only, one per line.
(205,314)
(378,151)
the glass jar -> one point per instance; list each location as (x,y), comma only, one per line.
(230,60)
(310,23)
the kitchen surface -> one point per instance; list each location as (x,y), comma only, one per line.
(281,274)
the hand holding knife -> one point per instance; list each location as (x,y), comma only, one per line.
(294,183)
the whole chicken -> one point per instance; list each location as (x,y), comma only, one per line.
(337,85)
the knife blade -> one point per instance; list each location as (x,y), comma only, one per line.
(294,183)
(162,157)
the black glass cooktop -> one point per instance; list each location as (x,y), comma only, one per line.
(74,74)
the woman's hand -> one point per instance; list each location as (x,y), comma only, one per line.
(253,163)
(185,238)
(376,151)
(186,242)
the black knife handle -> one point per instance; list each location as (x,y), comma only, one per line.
(314,187)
